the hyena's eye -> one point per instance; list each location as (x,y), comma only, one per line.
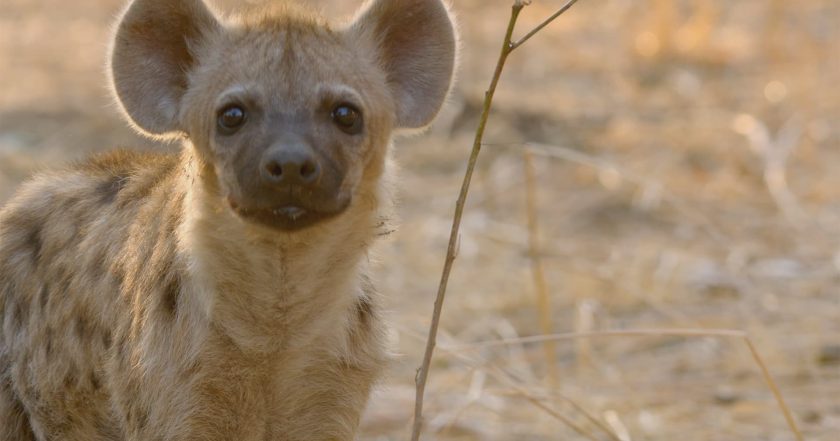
(231,118)
(348,119)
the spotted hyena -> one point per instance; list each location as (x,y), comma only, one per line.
(221,293)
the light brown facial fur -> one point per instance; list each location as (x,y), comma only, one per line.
(222,293)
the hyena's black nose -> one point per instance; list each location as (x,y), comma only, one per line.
(290,166)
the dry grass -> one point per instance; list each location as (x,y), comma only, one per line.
(683,153)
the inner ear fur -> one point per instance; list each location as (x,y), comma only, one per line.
(416,45)
(152,56)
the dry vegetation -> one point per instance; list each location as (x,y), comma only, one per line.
(683,155)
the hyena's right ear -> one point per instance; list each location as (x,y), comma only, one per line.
(152,56)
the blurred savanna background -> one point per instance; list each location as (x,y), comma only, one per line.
(649,164)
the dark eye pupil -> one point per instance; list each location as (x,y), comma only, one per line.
(345,116)
(232,117)
(348,119)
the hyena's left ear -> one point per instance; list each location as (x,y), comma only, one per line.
(151,58)
(416,45)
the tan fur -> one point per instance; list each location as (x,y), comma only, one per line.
(136,304)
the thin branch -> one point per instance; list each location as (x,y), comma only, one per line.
(542,25)
(508,46)
(423,372)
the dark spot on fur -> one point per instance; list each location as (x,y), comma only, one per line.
(171,294)
(83,328)
(365,310)
(109,189)
(44,297)
(19,311)
(142,418)
(119,277)
(107,341)
(71,202)
(137,417)
(129,414)
(33,241)
(13,312)
(49,343)
(95,382)
(24,309)
(70,378)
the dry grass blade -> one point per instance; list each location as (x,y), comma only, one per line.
(560,417)
(765,372)
(724,333)
(537,270)
(502,376)
(508,46)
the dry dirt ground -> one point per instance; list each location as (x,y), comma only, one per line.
(686,156)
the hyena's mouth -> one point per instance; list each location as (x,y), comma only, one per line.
(286,217)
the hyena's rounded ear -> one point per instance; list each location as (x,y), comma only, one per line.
(416,44)
(152,56)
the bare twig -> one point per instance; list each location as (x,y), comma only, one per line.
(423,372)
(508,46)
(542,25)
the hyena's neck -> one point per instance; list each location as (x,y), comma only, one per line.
(260,286)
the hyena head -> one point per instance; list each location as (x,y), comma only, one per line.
(290,115)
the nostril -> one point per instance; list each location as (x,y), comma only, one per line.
(309,170)
(274,169)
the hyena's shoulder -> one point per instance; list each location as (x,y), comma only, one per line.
(61,272)
(57,209)
(63,228)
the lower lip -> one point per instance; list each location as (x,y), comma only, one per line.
(288,218)
(293,213)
